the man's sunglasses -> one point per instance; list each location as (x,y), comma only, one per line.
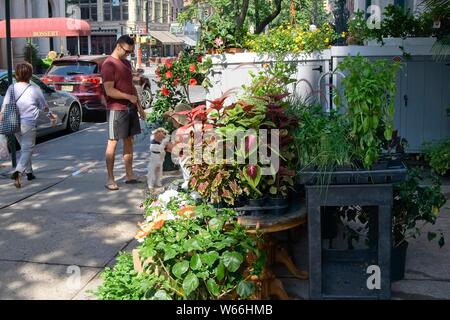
(126,51)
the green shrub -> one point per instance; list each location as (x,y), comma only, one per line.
(438,155)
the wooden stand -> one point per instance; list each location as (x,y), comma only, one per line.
(268,284)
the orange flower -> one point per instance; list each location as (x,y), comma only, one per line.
(188,211)
(141,234)
(158,224)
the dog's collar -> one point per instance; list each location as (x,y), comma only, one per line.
(155,142)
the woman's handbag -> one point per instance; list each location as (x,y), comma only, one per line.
(4,153)
(10,115)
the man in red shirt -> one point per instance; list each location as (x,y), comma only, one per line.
(123,107)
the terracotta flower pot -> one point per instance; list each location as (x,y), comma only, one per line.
(234,50)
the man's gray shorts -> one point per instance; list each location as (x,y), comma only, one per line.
(123,123)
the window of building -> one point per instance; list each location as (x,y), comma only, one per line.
(158,12)
(88,9)
(114,10)
(165,17)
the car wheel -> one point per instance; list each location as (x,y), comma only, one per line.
(146,98)
(74,118)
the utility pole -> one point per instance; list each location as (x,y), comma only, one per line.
(147,29)
(11,139)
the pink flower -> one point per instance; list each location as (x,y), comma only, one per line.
(218,41)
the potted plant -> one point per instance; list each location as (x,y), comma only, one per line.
(438,156)
(357,29)
(219,35)
(415,206)
(368,88)
(400,28)
(187,251)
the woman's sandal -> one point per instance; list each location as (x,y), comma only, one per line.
(17,183)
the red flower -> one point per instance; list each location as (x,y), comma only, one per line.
(200,59)
(169,74)
(192,68)
(192,82)
(168,63)
(165,91)
(176,81)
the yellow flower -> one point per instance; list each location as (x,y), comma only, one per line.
(327,40)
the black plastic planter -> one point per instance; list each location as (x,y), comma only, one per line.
(168,165)
(280,203)
(389,171)
(257,203)
(398,262)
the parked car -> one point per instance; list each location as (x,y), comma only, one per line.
(63,104)
(81,76)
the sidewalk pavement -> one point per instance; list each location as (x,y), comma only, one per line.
(65,221)
(66,218)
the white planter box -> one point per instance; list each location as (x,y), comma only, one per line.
(419,41)
(387,42)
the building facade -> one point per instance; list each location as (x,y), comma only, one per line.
(22,9)
(111,18)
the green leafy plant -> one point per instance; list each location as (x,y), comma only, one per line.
(287,39)
(271,80)
(369,88)
(191,252)
(400,23)
(415,206)
(322,140)
(174,79)
(122,282)
(438,155)
(220,33)
(357,29)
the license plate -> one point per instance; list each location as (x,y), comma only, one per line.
(67,88)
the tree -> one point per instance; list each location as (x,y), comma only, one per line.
(258,12)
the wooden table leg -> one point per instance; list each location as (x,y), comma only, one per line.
(282,256)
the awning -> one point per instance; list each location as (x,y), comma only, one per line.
(46,27)
(188,41)
(166,37)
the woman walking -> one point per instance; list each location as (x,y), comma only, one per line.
(29,101)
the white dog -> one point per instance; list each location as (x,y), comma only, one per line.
(158,144)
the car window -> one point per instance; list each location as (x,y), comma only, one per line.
(35,80)
(3,86)
(70,68)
